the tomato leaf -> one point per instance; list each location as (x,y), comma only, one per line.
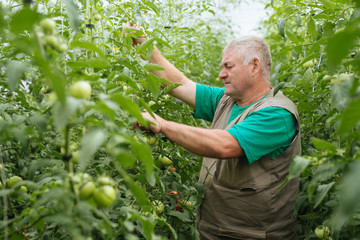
(143,152)
(297,166)
(281,26)
(322,191)
(90,143)
(90,63)
(24,19)
(338,47)
(63,113)
(323,145)
(350,117)
(89,46)
(14,72)
(183,216)
(152,66)
(73,14)
(311,27)
(128,105)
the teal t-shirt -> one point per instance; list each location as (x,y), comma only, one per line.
(266,132)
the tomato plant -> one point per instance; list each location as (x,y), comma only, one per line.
(315,48)
(75,149)
(71,85)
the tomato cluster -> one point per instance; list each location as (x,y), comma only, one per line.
(49,39)
(102,192)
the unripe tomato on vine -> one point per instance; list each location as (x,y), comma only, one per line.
(104,196)
(48,25)
(12,181)
(165,160)
(81,90)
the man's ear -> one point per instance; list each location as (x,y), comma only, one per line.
(256,65)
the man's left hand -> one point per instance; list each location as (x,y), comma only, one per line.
(157,122)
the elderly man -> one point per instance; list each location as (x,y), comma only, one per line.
(247,152)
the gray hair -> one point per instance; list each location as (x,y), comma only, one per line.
(249,47)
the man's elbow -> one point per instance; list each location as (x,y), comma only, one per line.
(230,152)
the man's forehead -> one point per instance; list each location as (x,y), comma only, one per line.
(230,57)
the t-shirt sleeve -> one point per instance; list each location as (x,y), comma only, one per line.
(207,99)
(266,132)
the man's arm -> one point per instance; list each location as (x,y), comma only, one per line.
(187,91)
(214,143)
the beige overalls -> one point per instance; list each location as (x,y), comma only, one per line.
(244,201)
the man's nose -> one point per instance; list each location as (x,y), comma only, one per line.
(222,74)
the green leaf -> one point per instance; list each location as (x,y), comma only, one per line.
(350,117)
(89,46)
(24,19)
(349,198)
(40,122)
(183,216)
(90,143)
(136,190)
(145,45)
(292,36)
(153,85)
(323,145)
(132,108)
(153,7)
(311,27)
(281,26)
(129,81)
(152,66)
(15,71)
(172,230)
(321,193)
(38,164)
(147,227)
(308,77)
(63,113)
(73,14)
(338,47)
(90,63)
(297,166)
(2,20)
(340,96)
(144,153)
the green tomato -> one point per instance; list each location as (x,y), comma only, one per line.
(48,25)
(158,206)
(322,232)
(188,203)
(151,103)
(327,77)
(51,41)
(97,17)
(87,190)
(62,47)
(308,64)
(81,90)
(12,181)
(104,196)
(75,157)
(24,189)
(151,139)
(165,160)
(52,97)
(104,181)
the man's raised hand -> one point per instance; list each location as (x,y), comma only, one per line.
(132,28)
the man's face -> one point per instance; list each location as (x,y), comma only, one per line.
(236,76)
